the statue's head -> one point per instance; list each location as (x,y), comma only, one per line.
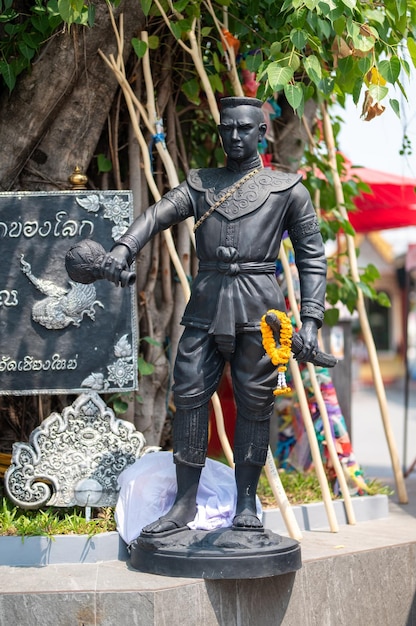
(242,126)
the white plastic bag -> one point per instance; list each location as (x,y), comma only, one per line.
(148,490)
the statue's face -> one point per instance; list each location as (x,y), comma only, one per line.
(241,129)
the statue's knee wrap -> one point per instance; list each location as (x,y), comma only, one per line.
(251,440)
(190,436)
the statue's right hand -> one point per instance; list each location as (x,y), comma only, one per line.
(115,266)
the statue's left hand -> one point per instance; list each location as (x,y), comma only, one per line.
(114,263)
(309,335)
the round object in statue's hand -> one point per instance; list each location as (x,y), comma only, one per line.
(82,259)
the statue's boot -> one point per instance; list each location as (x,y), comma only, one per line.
(247,477)
(183,510)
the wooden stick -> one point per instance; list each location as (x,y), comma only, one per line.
(313,443)
(365,325)
(318,395)
(281,498)
(222,435)
(333,454)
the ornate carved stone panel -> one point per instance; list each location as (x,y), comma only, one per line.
(74,458)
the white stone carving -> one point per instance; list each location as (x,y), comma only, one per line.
(74,458)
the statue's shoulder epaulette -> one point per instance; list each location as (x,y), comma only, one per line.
(206,178)
(280,181)
(217,177)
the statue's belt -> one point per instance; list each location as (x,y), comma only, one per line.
(223,324)
(232,268)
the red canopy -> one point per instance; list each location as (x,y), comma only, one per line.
(392,203)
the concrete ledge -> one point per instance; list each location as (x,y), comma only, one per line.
(313,516)
(39,551)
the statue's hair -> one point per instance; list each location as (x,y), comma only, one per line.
(236,101)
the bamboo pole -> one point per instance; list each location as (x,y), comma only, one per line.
(320,401)
(333,455)
(304,407)
(228,51)
(281,497)
(365,325)
(313,443)
(195,53)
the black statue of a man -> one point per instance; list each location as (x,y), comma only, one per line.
(241,212)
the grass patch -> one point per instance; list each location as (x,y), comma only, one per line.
(299,488)
(15,521)
(303,488)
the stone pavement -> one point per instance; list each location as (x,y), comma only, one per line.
(367,431)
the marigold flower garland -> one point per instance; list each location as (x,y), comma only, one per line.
(278,356)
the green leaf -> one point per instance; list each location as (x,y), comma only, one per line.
(91,14)
(8,74)
(120,406)
(151,341)
(298,38)
(278,75)
(180,5)
(176,30)
(395,106)
(104,164)
(411,46)
(52,8)
(139,46)
(331,317)
(351,4)
(371,273)
(339,26)
(146,6)
(216,82)
(383,299)
(390,70)
(294,95)
(298,18)
(64,8)
(326,85)
(145,368)
(25,51)
(365,64)
(378,92)
(401,6)
(367,290)
(324,29)
(253,61)
(313,68)
(348,228)
(191,89)
(216,62)
(275,49)
(153,42)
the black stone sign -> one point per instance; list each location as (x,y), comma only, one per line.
(57,336)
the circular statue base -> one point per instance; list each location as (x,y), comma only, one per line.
(217,554)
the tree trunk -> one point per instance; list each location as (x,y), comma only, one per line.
(53,119)
(290,135)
